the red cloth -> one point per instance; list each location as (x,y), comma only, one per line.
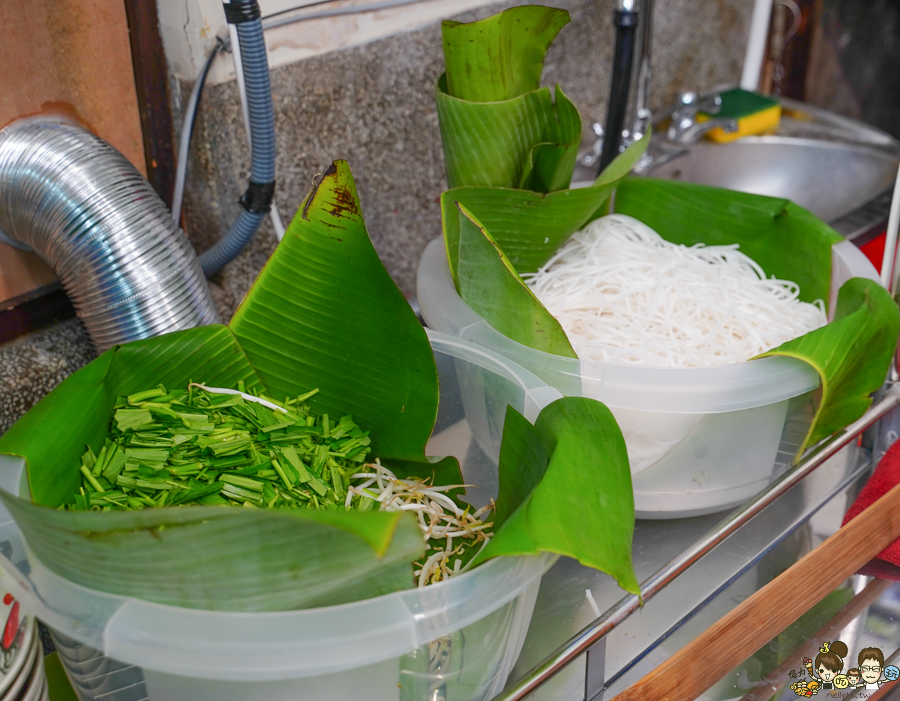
(885,477)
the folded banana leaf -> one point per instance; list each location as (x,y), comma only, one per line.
(851,353)
(786,240)
(490,285)
(323,314)
(502,56)
(530,226)
(510,152)
(506,227)
(498,126)
(548,500)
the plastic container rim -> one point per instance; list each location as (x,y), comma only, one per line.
(143,647)
(685,390)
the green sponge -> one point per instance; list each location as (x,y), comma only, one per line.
(754,113)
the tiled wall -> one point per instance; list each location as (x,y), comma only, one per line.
(373,105)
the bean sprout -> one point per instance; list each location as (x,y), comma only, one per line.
(439,518)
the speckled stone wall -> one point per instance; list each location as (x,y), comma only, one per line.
(373,105)
(31,366)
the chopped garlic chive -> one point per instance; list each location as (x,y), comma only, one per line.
(212,446)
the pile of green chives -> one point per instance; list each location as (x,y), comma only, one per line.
(201,447)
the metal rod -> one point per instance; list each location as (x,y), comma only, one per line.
(642,115)
(619,612)
(889,273)
(850,479)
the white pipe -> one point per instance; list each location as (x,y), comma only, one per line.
(276,20)
(890,244)
(187,129)
(276,221)
(756,46)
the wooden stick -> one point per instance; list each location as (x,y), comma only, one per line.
(745,629)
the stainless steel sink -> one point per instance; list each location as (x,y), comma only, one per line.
(829,179)
(840,169)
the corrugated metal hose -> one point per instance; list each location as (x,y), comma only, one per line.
(84,208)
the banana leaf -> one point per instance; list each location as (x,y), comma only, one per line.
(531,226)
(571,495)
(513,227)
(499,128)
(595,527)
(498,143)
(224,558)
(786,240)
(323,313)
(502,56)
(851,355)
(509,150)
(489,284)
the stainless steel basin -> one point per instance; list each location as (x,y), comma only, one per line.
(829,179)
(840,169)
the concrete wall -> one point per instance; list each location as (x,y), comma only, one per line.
(189,27)
(373,105)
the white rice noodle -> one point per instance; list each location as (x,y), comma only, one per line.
(625,295)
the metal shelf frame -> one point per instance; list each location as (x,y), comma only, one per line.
(591,640)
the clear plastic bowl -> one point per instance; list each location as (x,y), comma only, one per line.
(699,439)
(456,640)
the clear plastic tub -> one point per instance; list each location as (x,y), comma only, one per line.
(456,640)
(699,439)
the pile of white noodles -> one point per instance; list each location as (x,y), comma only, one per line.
(625,295)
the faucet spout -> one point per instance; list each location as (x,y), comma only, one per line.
(685,128)
(692,133)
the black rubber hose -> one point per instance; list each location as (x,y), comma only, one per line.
(625,22)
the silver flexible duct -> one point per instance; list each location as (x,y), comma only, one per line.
(84,208)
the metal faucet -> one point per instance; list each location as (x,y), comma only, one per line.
(643,117)
(684,129)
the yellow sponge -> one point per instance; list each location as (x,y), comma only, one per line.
(755,114)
